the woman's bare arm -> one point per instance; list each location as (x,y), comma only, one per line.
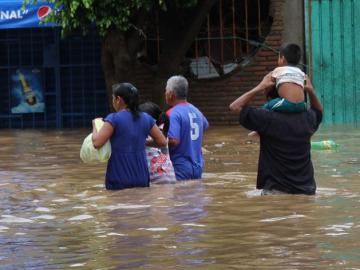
(99,138)
(159,139)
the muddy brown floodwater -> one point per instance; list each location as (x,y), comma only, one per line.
(56,214)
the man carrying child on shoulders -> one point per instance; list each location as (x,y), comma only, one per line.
(285,164)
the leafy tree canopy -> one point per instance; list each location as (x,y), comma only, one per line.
(123,23)
(106,14)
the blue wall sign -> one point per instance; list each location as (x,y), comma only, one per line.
(12,14)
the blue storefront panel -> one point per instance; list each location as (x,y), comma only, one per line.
(70,71)
(47,81)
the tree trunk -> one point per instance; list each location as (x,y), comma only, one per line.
(176,43)
(118,54)
(114,59)
(119,50)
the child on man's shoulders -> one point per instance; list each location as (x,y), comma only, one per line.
(289,96)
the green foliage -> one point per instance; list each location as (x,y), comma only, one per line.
(105,14)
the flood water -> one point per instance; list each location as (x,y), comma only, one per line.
(56,214)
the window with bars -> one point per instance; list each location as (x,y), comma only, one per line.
(71,77)
(232,33)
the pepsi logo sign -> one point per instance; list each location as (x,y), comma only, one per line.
(43,11)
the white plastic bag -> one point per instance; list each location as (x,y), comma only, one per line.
(88,153)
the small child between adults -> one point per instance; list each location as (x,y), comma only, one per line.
(289,83)
(160,166)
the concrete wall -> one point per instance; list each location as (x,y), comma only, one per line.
(293,14)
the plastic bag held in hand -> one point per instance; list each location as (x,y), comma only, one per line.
(88,153)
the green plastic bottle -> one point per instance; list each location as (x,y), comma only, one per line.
(324,145)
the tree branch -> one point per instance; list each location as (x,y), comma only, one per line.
(177,44)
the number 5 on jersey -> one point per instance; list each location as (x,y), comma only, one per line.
(195,129)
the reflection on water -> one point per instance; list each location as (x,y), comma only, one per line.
(56,214)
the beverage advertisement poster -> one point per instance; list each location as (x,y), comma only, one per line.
(27,93)
(13,14)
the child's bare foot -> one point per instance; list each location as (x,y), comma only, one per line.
(253,134)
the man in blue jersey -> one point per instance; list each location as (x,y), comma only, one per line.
(187,126)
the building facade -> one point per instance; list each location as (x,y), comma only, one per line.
(68,75)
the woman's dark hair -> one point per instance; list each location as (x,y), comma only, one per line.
(129,94)
(155,112)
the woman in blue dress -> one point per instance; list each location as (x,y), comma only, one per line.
(127,130)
